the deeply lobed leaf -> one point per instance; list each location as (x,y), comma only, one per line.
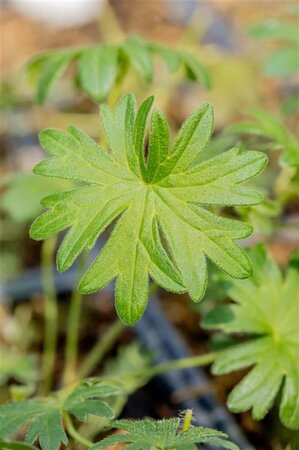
(157,200)
(162,434)
(43,417)
(266,308)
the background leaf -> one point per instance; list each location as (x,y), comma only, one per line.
(97,71)
(265,308)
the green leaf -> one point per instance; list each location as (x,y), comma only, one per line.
(47,428)
(43,417)
(162,434)
(195,70)
(101,67)
(267,126)
(261,216)
(87,399)
(191,140)
(266,308)
(274,29)
(283,62)
(14,415)
(22,368)
(51,68)
(156,199)
(171,58)
(22,196)
(139,56)
(98,67)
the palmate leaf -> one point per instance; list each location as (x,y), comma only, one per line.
(265,307)
(43,417)
(162,434)
(163,230)
(100,67)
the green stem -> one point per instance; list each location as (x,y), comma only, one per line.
(101,348)
(51,314)
(73,327)
(74,434)
(178,364)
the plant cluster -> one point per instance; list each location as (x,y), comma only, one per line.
(165,205)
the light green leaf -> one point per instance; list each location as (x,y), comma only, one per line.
(191,140)
(162,434)
(266,308)
(267,126)
(97,71)
(162,229)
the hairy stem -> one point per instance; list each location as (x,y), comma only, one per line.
(73,327)
(101,348)
(51,314)
(74,434)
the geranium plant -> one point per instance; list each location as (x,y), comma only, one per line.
(163,208)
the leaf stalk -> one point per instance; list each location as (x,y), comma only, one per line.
(51,314)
